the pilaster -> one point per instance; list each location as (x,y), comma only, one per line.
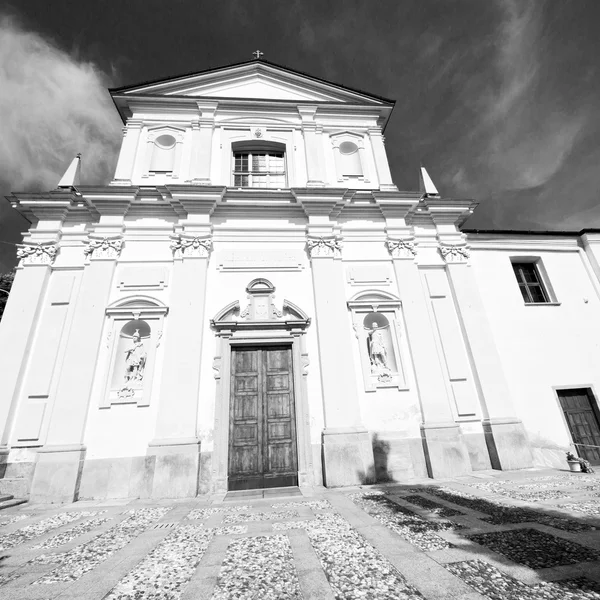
(202,137)
(176,445)
(381,160)
(347,449)
(18,325)
(313,132)
(129,148)
(60,462)
(505,434)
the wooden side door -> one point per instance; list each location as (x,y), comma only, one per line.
(262,429)
(581,414)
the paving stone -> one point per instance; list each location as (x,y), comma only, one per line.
(259,516)
(501,514)
(355,570)
(434,507)
(29,532)
(204,513)
(496,585)
(535,549)
(258,567)
(165,572)
(4,521)
(315,504)
(65,537)
(85,557)
(404,522)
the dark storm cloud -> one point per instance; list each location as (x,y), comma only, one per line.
(498,98)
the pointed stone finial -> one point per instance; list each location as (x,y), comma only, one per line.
(426,185)
(71,177)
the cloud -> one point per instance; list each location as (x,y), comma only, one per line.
(529,136)
(52,106)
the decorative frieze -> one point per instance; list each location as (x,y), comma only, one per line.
(402,248)
(455,253)
(325,247)
(189,246)
(103,248)
(37,254)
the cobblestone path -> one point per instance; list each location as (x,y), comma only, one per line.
(531,535)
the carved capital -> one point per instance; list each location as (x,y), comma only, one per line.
(455,253)
(37,254)
(324,247)
(188,246)
(402,248)
(103,248)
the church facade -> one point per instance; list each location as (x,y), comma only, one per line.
(252,303)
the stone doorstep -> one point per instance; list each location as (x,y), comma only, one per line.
(9,501)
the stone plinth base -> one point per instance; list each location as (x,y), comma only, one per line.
(57,474)
(176,468)
(347,457)
(445,450)
(507,444)
(398,457)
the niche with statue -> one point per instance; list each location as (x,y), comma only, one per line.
(377,322)
(134,332)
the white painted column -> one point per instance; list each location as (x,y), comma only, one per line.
(129,148)
(445,452)
(60,461)
(381,160)
(202,144)
(313,144)
(17,328)
(347,447)
(504,432)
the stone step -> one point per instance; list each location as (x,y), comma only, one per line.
(5,497)
(14,486)
(12,502)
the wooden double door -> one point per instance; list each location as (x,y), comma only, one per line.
(581,413)
(262,426)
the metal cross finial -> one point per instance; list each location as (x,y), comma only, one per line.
(258,54)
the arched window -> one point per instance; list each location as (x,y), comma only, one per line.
(259,164)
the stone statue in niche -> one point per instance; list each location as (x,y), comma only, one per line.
(135,361)
(378,347)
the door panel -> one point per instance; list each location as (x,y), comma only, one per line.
(581,414)
(262,435)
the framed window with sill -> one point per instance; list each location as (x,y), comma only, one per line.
(378,326)
(532,280)
(259,164)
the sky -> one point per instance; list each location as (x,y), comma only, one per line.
(499,99)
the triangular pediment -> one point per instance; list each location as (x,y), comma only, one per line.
(255,80)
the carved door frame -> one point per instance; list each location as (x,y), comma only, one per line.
(236,329)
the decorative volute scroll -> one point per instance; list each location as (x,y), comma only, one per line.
(189,246)
(261,311)
(97,247)
(402,248)
(324,247)
(43,253)
(455,253)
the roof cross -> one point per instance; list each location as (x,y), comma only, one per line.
(257,54)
